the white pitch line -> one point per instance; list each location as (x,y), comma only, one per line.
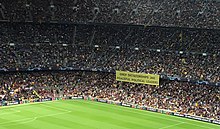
(28,120)
(25,104)
(132,111)
(14,111)
(31,120)
(53,114)
(171,125)
(16,121)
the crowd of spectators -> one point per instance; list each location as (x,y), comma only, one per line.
(187,13)
(174,96)
(185,39)
(188,53)
(40,34)
(197,67)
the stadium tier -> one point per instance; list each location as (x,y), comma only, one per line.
(174,96)
(179,52)
(185,13)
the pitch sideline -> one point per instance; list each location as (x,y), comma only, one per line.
(34,118)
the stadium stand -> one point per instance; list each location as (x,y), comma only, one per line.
(184,13)
(175,96)
(166,51)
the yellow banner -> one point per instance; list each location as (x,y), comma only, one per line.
(140,78)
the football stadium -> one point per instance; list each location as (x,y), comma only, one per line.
(117,64)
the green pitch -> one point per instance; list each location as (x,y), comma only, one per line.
(80,114)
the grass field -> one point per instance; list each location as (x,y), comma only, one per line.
(80,114)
